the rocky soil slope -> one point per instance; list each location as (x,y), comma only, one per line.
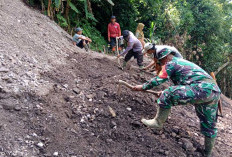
(55,99)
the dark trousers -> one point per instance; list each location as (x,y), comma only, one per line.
(138,55)
(81,43)
(112,42)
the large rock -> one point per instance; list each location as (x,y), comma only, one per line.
(3,69)
(8,106)
(76,90)
(187,144)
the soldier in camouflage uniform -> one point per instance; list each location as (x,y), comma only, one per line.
(192,85)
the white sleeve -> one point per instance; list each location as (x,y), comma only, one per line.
(177,53)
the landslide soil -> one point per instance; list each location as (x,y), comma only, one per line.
(55,99)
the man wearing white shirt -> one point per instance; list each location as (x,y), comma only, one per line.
(150,48)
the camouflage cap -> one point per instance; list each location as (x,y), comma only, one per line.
(163,53)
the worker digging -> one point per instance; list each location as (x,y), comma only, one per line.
(192,85)
(133,49)
(151,49)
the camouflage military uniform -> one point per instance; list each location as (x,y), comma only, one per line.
(192,85)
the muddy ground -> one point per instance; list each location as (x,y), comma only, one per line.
(55,98)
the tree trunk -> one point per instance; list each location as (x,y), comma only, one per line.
(67,15)
(224,81)
(49,7)
(42,6)
(89,6)
(228,85)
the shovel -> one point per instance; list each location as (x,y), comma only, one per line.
(120,83)
(119,63)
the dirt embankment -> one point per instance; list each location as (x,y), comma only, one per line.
(54,99)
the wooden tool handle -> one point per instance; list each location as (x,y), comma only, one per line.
(213,76)
(219,102)
(118,59)
(125,84)
(157,94)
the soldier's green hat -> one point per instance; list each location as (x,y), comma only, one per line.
(163,53)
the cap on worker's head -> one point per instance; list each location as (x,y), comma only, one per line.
(113,17)
(125,33)
(163,53)
(147,47)
(78,29)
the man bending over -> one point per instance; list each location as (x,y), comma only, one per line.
(192,85)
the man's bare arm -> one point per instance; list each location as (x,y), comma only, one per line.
(149,65)
(85,38)
(89,39)
(82,38)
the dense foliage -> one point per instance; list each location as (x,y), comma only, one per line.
(200,29)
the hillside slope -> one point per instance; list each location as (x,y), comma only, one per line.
(54,99)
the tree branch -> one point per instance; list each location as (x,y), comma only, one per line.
(111,2)
(222,67)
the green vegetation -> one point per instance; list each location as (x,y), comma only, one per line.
(200,29)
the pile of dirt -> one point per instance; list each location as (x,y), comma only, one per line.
(55,99)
